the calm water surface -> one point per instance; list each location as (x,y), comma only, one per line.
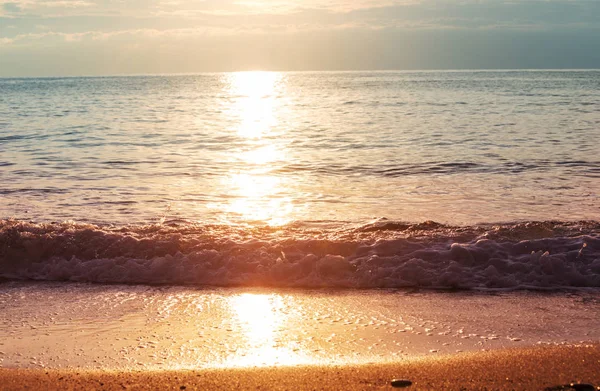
(454,147)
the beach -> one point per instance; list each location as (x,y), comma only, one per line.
(300,230)
(91,336)
(511,369)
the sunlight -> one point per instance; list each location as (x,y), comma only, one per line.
(262,155)
(261,317)
(254,194)
(254,101)
(255,84)
(257,199)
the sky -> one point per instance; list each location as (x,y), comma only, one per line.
(105,37)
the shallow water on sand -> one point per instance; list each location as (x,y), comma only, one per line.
(56,325)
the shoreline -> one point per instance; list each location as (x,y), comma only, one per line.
(532,368)
(95,327)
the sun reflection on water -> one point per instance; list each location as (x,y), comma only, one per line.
(261,318)
(254,101)
(257,199)
(262,155)
(256,193)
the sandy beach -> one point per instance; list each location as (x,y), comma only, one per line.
(297,228)
(509,369)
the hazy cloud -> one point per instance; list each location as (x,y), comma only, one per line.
(77,26)
(9,8)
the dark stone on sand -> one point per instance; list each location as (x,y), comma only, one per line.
(573,386)
(399,383)
(583,387)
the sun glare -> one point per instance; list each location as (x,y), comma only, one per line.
(256,193)
(255,84)
(254,103)
(262,155)
(260,318)
(257,200)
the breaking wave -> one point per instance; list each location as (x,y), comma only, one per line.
(382,254)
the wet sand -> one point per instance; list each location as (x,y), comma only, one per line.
(98,327)
(508,369)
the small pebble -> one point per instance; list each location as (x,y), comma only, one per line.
(399,383)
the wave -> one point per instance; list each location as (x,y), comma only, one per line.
(574,167)
(382,254)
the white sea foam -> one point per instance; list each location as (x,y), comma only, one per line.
(533,255)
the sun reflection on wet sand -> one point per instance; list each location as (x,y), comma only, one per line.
(255,192)
(261,318)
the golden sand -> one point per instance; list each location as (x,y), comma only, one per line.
(510,369)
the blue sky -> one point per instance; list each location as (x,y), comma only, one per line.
(91,37)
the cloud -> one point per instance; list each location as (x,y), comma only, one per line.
(43,38)
(67,4)
(377,13)
(9,9)
(42,9)
(188,50)
(230,27)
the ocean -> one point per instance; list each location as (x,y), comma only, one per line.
(133,201)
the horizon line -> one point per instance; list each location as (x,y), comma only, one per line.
(309,71)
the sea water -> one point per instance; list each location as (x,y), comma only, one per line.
(478,181)
(452,147)
(352,179)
